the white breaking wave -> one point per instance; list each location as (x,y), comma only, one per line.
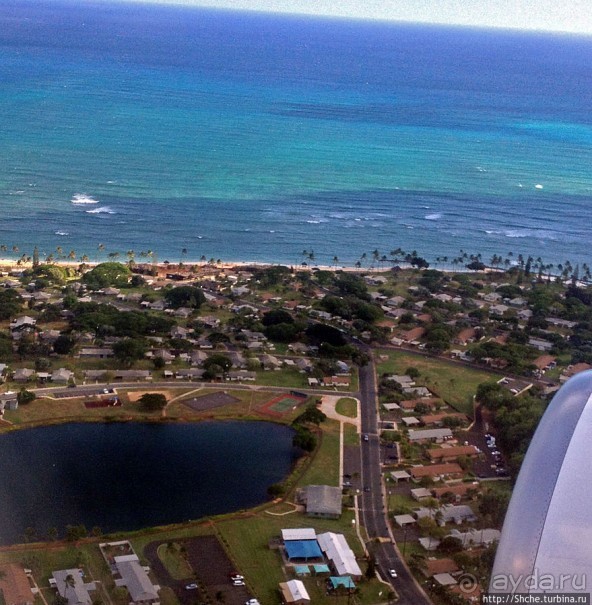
(101,210)
(538,186)
(81,199)
(433,217)
(62,233)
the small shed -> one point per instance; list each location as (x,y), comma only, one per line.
(400,476)
(321,569)
(343,582)
(404,520)
(294,593)
(444,579)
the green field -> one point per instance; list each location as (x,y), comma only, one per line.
(347,406)
(455,383)
(325,468)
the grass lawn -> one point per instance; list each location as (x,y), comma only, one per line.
(172,557)
(325,467)
(286,377)
(347,406)
(454,383)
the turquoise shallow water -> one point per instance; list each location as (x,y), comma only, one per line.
(252,137)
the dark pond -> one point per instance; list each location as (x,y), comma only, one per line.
(129,476)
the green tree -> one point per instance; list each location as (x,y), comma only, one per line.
(152,402)
(63,344)
(219,360)
(311,414)
(23,397)
(304,439)
(129,350)
(276,490)
(107,274)
(185,296)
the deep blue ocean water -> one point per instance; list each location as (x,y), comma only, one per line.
(253,137)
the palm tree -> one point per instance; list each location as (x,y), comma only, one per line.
(72,255)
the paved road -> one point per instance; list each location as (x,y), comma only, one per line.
(374,515)
(97,389)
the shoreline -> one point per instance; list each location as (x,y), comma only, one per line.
(11,264)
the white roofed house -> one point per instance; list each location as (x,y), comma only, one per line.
(71,586)
(136,580)
(23,322)
(343,560)
(61,375)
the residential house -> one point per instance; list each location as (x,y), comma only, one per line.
(133,375)
(574,369)
(336,381)
(269,362)
(15,585)
(95,353)
(134,577)
(450,454)
(62,375)
(438,566)
(457,491)
(23,375)
(540,344)
(23,322)
(544,362)
(189,374)
(438,419)
(413,335)
(450,470)
(465,336)
(241,376)
(71,586)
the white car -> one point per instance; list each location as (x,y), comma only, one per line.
(238,582)
(393,573)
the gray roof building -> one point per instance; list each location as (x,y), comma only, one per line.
(136,580)
(71,586)
(322,501)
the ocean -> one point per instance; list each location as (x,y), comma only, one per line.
(197,133)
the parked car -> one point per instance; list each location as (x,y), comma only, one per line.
(238,582)
(393,573)
(191,587)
